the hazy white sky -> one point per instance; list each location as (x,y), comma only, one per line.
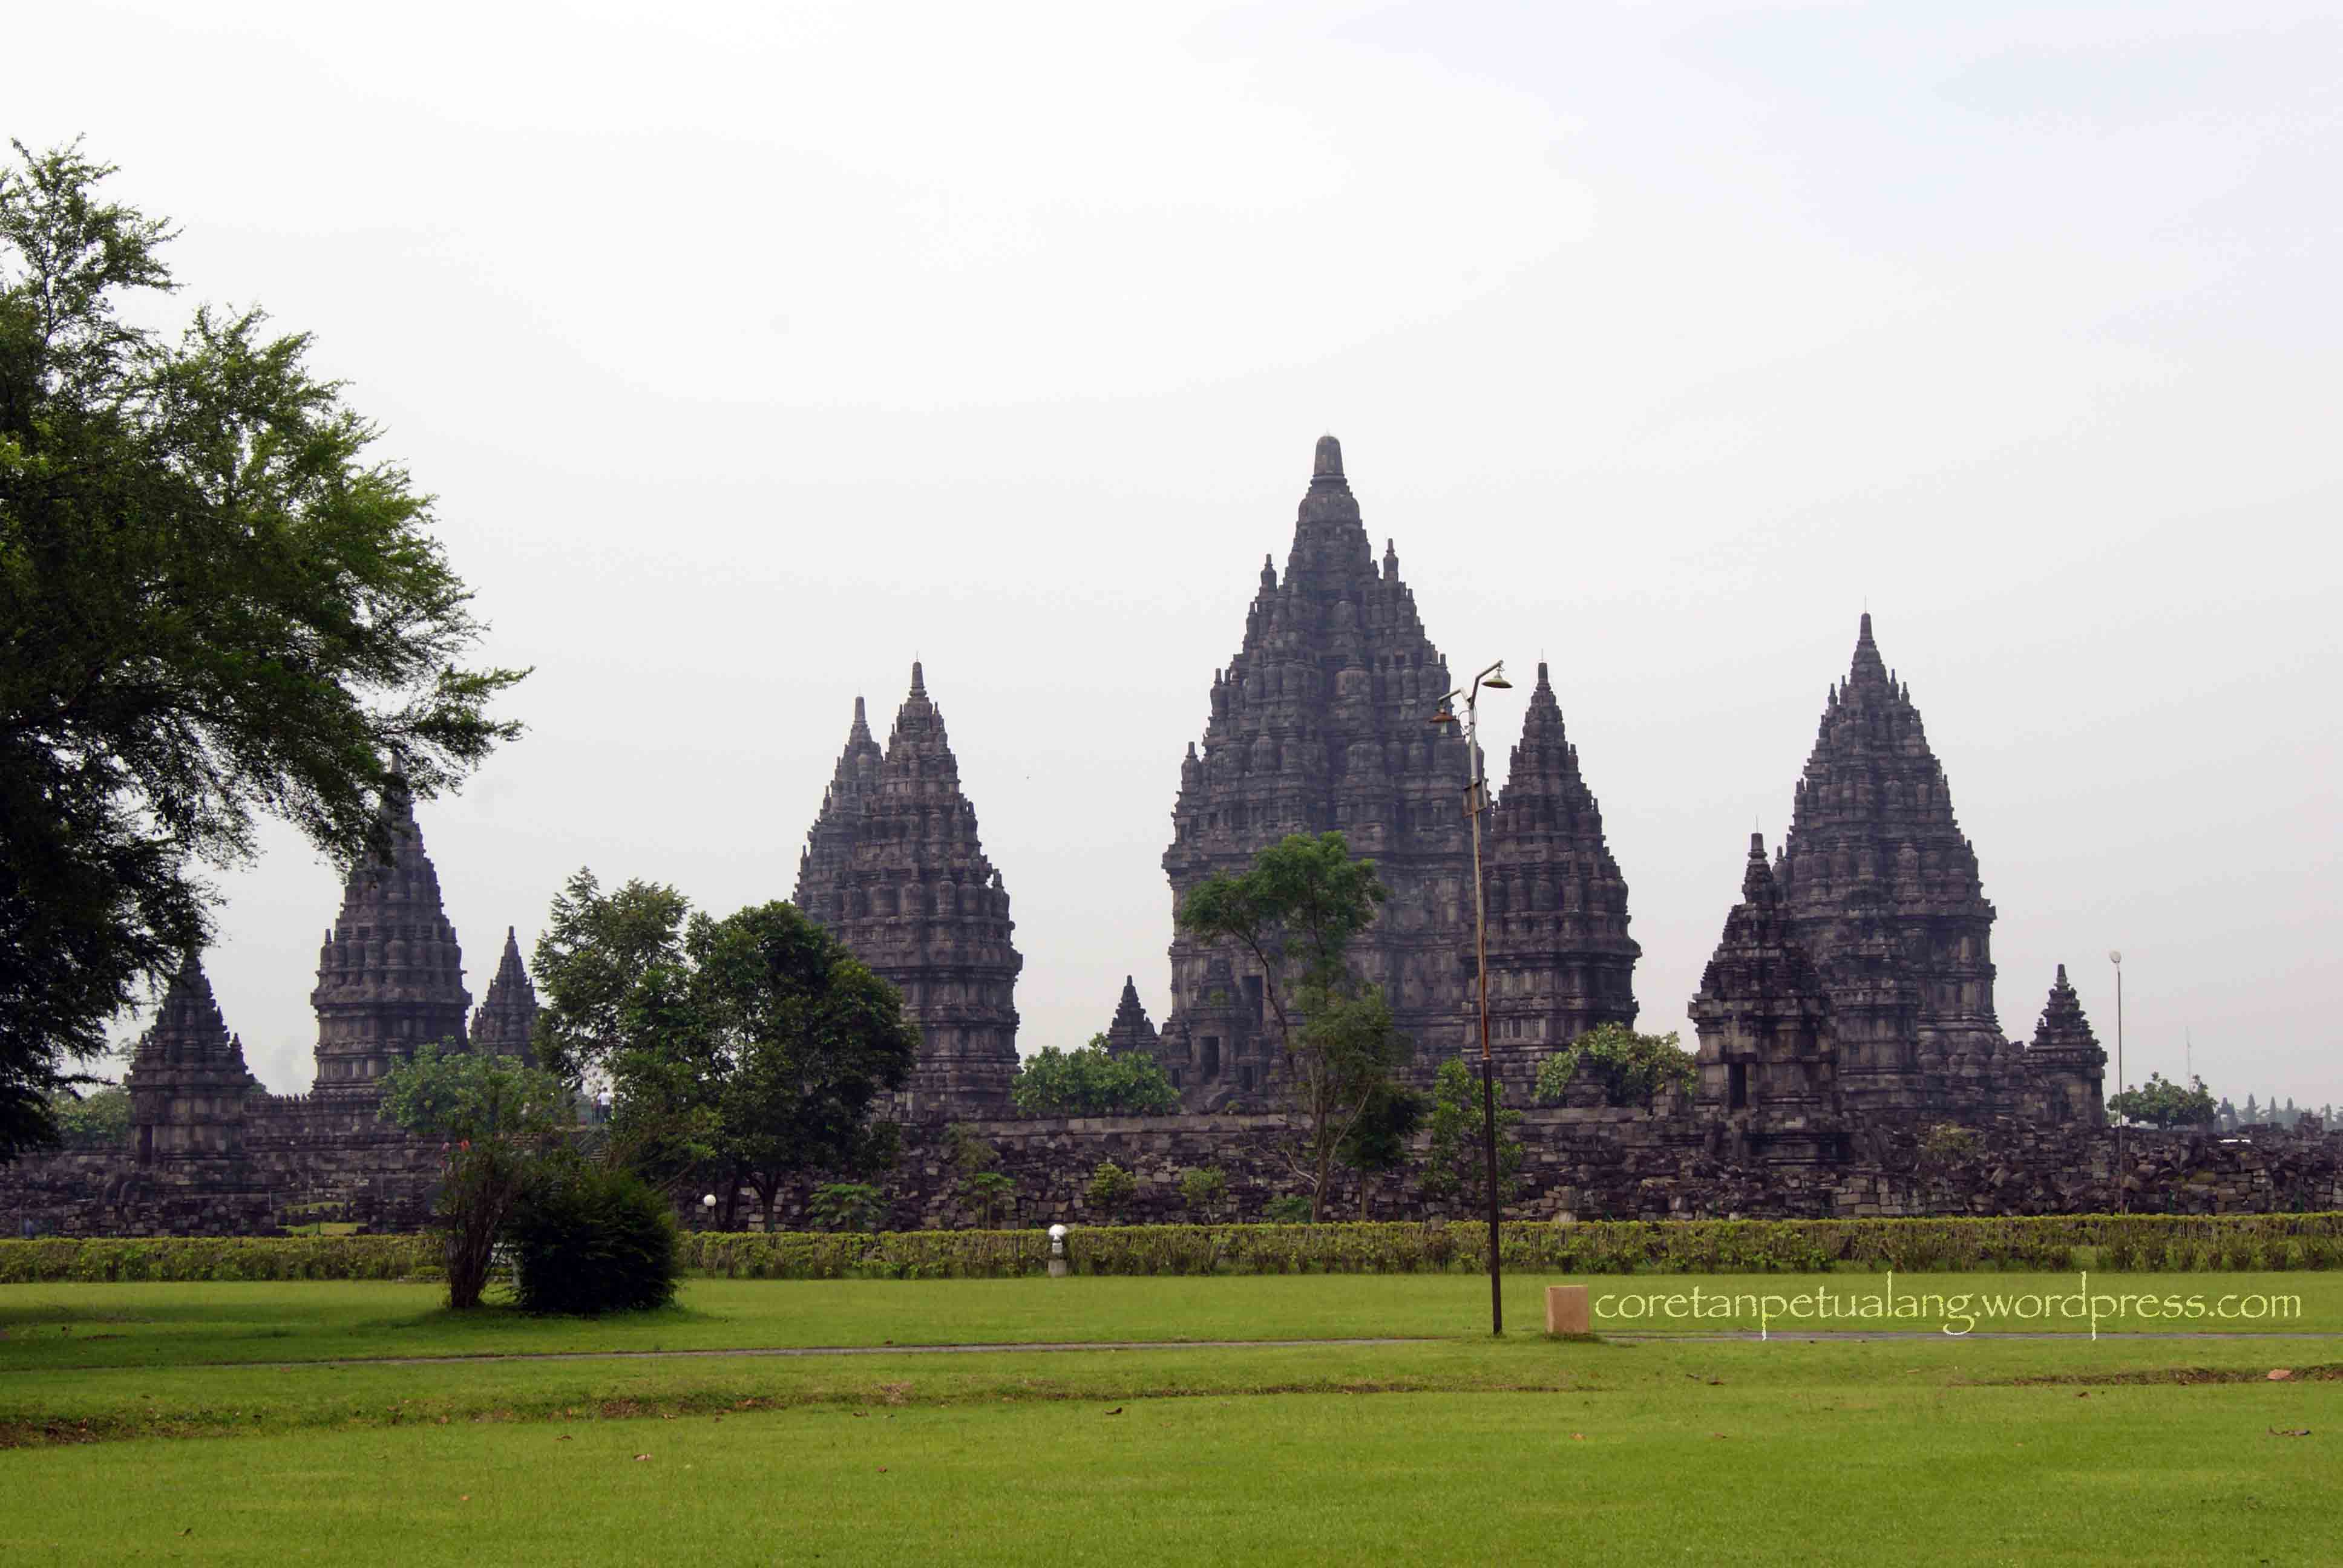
(751,351)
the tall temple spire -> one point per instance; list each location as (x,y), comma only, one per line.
(1560,961)
(2066,1065)
(506,1020)
(1767,1066)
(914,897)
(187,1079)
(1319,724)
(1876,861)
(390,975)
(1130,1030)
(830,843)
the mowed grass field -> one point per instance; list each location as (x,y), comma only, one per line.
(232,1423)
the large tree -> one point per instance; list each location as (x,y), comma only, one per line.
(747,1051)
(215,606)
(1294,913)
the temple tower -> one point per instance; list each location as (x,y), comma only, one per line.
(1767,1065)
(505,1023)
(1560,958)
(913,897)
(1875,864)
(829,844)
(188,1084)
(1132,1029)
(2066,1067)
(1320,722)
(390,975)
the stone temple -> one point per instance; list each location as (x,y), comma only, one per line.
(1854,983)
(1847,1013)
(893,867)
(1322,721)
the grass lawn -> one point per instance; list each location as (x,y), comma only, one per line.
(155,1325)
(1682,1450)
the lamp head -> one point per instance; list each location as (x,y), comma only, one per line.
(1443,717)
(2115,958)
(1497,681)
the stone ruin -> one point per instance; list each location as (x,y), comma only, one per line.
(1846,1023)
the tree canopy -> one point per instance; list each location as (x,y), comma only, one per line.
(1631,1068)
(1093,1081)
(2160,1102)
(1294,913)
(746,1051)
(215,606)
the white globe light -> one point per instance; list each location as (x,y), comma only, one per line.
(1057,1232)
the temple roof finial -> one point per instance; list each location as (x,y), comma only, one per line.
(1328,462)
(918,682)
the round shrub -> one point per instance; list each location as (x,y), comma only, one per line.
(589,1240)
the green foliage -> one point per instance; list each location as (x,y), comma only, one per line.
(2163,1103)
(1110,1188)
(2057,1243)
(1948,1142)
(591,963)
(1455,1164)
(993,1193)
(95,1117)
(1632,1069)
(592,1239)
(1378,1142)
(1289,1208)
(1204,1190)
(215,606)
(848,1206)
(967,1152)
(499,1121)
(1093,1081)
(1294,913)
(751,1051)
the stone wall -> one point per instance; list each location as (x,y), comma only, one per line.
(1604,1164)
(1586,1162)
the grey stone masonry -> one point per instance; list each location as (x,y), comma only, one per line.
(188,1084)
(913,897)
(1767,1065)
(1882,890)
(506,1020)
(1321,722)
(2066,1066)
(390,975)
(1560,960)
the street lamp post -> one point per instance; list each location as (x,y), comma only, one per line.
(2123,1200)
(1476,795)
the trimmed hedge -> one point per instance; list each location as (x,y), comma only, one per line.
(101,1259)
(2049,1242)
(2161,1242)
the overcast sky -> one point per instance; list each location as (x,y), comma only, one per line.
(753,350)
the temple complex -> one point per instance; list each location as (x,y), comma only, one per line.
(1848,1045)
(894,868)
